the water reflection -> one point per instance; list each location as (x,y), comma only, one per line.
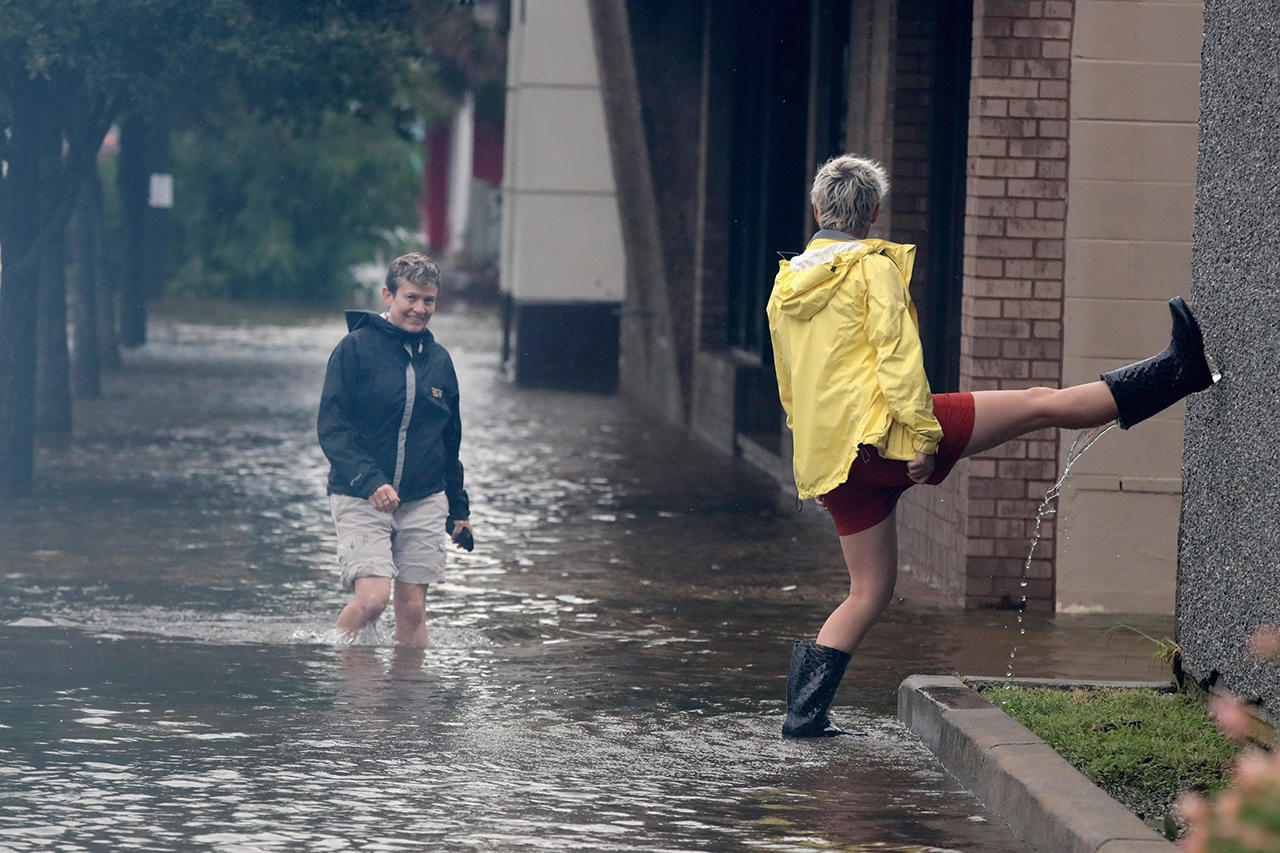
(605,671)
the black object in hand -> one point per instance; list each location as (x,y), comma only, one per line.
(465,539)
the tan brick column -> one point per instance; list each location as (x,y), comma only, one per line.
(1014,247)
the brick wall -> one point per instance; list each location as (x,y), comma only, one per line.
(912,116)
(931,539)
(931,522)
(1013,294)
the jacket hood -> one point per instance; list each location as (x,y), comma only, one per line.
(371,319)
(806,283)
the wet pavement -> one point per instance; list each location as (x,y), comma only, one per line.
(605,672)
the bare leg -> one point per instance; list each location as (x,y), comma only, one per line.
(872,559)
(872,555)
(411,614)
(369,602)
(999,416)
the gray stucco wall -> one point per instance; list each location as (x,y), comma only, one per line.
(1229,548)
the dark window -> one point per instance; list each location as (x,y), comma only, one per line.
(948,150)
(768,175)
(830,80)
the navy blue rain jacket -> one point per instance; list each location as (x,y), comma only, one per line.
(369,435)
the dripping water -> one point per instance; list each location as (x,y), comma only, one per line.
(1084,439)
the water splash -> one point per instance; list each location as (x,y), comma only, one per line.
(1080,444)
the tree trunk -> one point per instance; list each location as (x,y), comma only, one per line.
(34,208)
(86,368)
(53,367)
(134,178)
(17,360)
(20,223)
(107,282)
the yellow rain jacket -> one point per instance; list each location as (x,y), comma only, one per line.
(846,347)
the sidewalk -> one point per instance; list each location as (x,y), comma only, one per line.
(1018,776)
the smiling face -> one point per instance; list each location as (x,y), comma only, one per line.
(411,306)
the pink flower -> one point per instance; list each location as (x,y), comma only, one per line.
(1265,642)
(1230,804)
(1255,769)
(1191,808)
(1230,716)
(1194,842)
(1241,817)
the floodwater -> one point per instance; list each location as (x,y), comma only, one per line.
(605,672)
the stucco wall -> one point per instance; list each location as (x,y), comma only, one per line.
(1134,106)
(1229,560)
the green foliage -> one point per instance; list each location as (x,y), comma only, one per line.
(293,151)
(1142,747)
(81,64)
(114,50)
(270,209)
(304,159)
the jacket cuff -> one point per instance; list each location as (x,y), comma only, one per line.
(925,444)
(364,486)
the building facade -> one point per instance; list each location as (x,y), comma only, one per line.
(562,257)
(1043,160)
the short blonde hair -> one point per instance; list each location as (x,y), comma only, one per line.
(415,268)
(846,190)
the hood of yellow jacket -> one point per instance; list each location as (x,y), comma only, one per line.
(806,283)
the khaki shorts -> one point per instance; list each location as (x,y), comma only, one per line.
(407,545)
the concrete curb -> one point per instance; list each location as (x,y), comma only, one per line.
(1046,801)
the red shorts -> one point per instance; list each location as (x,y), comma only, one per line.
(875,484)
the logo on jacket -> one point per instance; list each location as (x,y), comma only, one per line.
(436,392)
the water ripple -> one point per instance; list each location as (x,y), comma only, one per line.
(605,671)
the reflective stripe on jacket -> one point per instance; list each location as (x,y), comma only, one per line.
(846,348)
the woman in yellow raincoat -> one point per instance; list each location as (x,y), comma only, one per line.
(866,428)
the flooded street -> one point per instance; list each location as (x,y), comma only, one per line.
(605,672)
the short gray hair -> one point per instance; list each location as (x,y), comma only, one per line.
(415,268)
(845,192)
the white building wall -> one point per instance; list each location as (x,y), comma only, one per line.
(461,165)
(562,238)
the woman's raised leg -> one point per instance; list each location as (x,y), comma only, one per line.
(1000,416)
(1130,394)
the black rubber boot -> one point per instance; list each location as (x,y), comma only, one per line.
(815,674)
(1147,387)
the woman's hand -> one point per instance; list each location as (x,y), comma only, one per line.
(459,525)
(385,499)
(920,469)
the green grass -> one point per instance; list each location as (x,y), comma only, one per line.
(1142,747)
